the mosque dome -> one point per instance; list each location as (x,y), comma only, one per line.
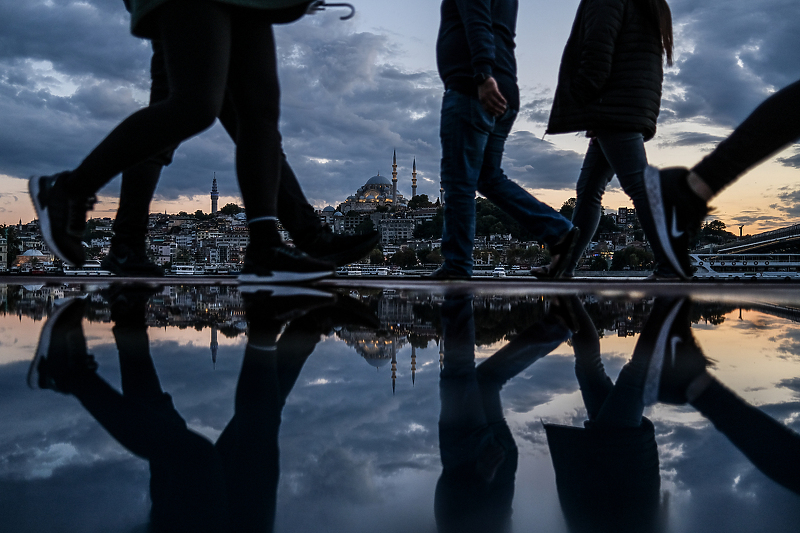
(378,180)
(329,209)
(338,214)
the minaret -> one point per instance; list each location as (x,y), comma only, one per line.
(214,195)
(414,179)
(394,367)
(413,364)
(214,346)
(394,178)
(441,193)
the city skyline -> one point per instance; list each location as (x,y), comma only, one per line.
(354,91)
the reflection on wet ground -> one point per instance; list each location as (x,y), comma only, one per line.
(355,409)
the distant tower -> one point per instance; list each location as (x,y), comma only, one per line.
(394,178)
(214,346)
(214,195)
(413,364)
(394,368)
(414,179)
(441,193)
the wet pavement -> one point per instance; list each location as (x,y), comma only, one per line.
(397,404)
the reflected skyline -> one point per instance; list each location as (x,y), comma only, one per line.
(354,456)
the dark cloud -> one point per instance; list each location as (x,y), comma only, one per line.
(793,161)
(731,55)
(691,139)
(538,164)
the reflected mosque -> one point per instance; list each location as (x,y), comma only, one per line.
(377,192)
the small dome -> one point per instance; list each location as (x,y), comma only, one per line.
(378,180)
(32,253)
(329,209)
(338,214)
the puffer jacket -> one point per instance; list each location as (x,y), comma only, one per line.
(611,71)
(144,26)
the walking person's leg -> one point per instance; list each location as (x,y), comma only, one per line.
(255,94)
(196,39)
(537,217)
(464,132)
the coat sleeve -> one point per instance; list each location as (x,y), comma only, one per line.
(477,18)
(602,21)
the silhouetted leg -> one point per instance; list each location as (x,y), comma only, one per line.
(771,127)
(593,381)
(772,447)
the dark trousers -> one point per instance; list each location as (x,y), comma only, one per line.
(773,125)
(139,182)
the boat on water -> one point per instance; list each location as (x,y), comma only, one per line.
(89,268)
(746,266)
(187,270)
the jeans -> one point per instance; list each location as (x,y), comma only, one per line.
(773,125)
(609,153)
(472,149)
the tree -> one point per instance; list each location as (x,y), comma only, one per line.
(435,257)
(366,226)
(598,263)
(376,257)
(231,209)
(633,258)
(568,208)
(404,258)
(419,201)
(431,229)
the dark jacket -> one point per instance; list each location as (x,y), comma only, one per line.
(611,71)
(477,36)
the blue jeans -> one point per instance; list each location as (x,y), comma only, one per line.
(472,149)
(609,153)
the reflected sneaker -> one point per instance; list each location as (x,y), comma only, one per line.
(677,213)
(338,249)
(62,217)
(676,358)
(445,274)
(282,264)
(122,260)
(61,355)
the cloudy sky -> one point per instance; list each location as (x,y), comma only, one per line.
(354,91)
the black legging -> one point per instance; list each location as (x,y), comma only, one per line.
(209,47)
(771,127)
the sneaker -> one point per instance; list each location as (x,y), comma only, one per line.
(122,260)
(61,355)
(445,274)
(62,218)
(677,213)
(676,358)
(282,264)
(339,249)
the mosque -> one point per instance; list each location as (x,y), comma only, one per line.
(379,191)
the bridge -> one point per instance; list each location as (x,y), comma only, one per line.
(784,240)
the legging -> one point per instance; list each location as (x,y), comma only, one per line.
(209,47)
(773,125)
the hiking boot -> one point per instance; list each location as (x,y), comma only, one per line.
(338,249)
(676,358)
(61,355)
(123,260)
(62,217)
(282,264)
(677,213)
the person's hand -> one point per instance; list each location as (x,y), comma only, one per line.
(491,99)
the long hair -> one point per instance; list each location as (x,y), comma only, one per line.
(660,16)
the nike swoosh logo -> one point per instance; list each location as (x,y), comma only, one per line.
(674,231)
(673,343)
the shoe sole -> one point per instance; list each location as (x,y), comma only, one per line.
(45,338)
(279,276)
(653,378)
(44,219)
(652,181)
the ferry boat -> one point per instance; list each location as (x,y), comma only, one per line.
(187,270)
(746,266)
(90,268)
